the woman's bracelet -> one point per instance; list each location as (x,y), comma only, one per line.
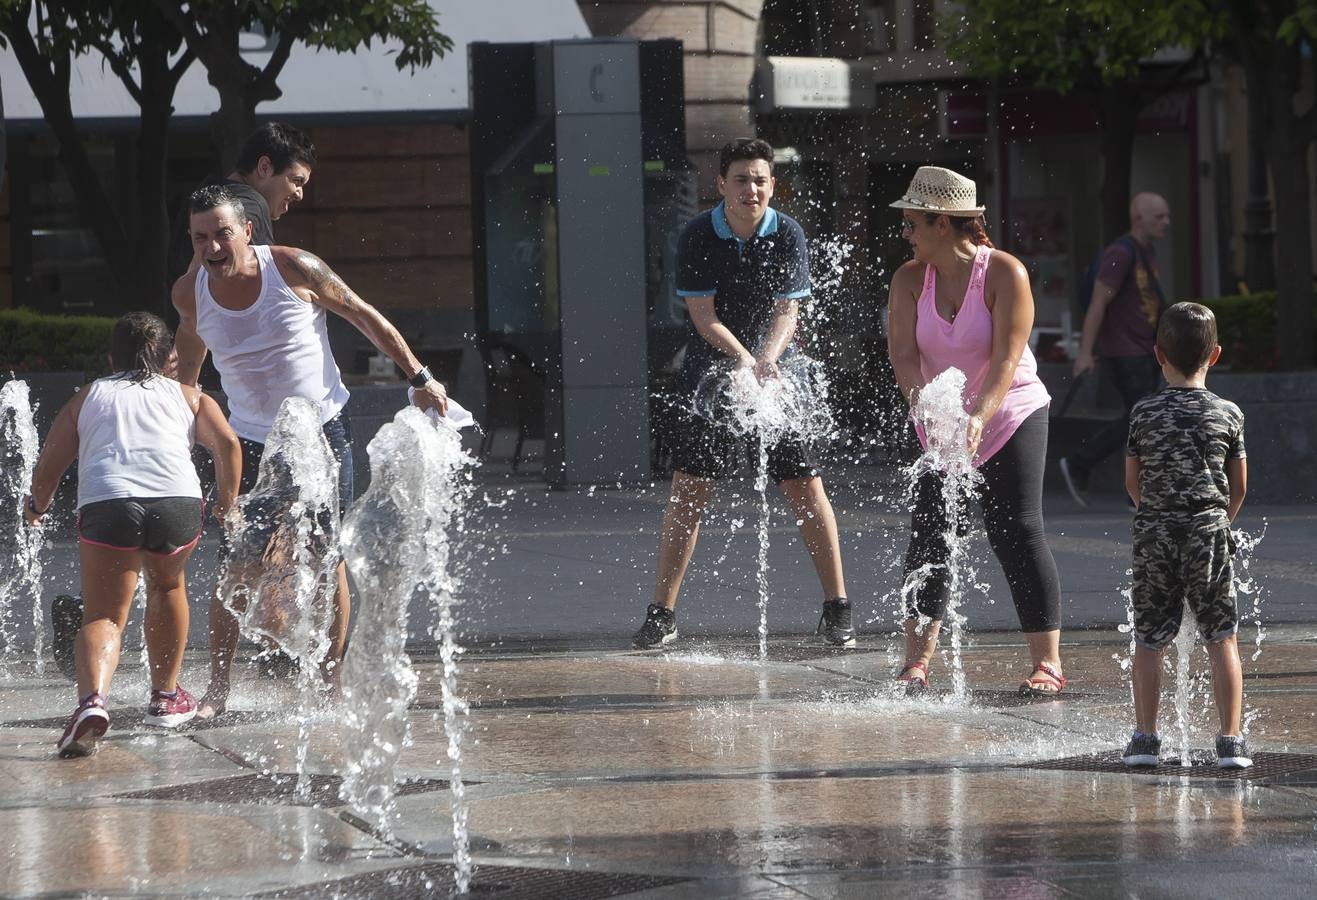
(32,507)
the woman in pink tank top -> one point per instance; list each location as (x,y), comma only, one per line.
(962,304)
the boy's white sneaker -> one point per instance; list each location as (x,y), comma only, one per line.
(1232,752)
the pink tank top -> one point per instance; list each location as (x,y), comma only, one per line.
(966,344)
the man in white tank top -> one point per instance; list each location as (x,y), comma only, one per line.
(261,312)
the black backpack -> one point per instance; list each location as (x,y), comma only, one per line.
(1088,279)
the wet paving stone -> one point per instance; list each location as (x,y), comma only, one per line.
(503,882)
(1287,768)
(279,788)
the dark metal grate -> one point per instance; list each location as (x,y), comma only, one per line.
(503,882)
(1267,767)
(278,788)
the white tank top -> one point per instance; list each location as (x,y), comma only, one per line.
(274,349)
(135,440)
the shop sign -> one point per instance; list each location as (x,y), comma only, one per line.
(792,82)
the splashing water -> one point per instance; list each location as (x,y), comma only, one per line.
(1245,585)
(20,545)
(279,580)
(395,537)
(455,709)
(1184,648)
(940,413)
(792,405)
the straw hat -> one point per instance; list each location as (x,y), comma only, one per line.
(938,190)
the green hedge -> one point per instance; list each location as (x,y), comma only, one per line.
(36,342)
(1246,330)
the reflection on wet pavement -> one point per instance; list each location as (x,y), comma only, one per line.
(694,773)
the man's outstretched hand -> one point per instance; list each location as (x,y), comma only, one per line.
(432,396)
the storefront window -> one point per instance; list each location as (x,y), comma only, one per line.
(794,28)
(879,25)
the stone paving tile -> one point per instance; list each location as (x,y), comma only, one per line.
(124,847)
(673,677)
(719,827)
(128,761)
(801,777)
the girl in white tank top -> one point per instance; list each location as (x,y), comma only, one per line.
(139,503)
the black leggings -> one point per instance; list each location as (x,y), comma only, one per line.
(1012,500)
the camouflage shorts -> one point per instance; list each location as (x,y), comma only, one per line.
(1179,566)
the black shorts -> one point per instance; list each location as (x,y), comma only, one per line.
(163,525)
(707,450)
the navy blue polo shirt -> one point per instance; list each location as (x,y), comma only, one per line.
(745,278)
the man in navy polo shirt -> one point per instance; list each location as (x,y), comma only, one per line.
(742,268)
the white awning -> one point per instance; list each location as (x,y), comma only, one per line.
(322,82)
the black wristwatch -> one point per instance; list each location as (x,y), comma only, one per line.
(421,378)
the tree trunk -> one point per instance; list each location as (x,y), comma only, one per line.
(1289,173)
(1119,107)
(49,81)
(1259,236)
(152,238)
(231,123)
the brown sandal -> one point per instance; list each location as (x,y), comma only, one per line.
(914,684)
(1043,674)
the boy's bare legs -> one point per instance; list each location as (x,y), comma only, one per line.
(677,535)
(1227,684)
(1147,677)
(818,528)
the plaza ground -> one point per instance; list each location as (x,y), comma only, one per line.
(596,771)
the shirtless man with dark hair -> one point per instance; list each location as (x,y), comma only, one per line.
(260,311)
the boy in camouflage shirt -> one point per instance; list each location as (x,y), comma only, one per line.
(1186,472)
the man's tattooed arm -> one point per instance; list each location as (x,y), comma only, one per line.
(331,291)
(306,270)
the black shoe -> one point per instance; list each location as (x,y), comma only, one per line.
(835,623)
(275,663)
(1232,752)
(660,628)
(65,622)
(1142,750)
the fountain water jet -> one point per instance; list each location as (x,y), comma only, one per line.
(279,579)
(396,542)
(939,412)
(20,545)
(792,405)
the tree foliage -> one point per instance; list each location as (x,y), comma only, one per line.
(148,45)
(1068,45)
(148,58)
(212,29)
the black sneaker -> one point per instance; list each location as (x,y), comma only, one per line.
(835,623)
(1143,750)
(65,623)
(660,628)
(1232,752)
(1076,482)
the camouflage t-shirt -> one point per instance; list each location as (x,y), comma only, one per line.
(1183,437)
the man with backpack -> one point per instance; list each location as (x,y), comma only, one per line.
(1120,324)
